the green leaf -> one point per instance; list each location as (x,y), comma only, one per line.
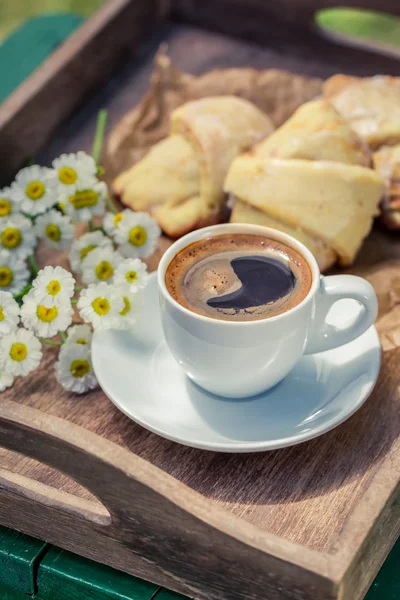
(363,24)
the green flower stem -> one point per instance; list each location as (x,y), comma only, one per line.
(50,342)
(91,225)
(23,292)
(62,336)
(110,205)
(78,289)
(99,134)
(33,264)
(74,301)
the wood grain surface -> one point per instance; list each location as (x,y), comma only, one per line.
(337,496)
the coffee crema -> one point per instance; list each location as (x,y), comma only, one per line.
(238,277)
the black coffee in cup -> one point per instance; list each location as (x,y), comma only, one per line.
(238,277)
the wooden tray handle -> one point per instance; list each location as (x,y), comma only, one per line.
(109,472)
(157,528)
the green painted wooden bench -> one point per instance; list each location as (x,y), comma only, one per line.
(30,567)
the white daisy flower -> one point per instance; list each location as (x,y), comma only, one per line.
(137,235)
(74,369)
(86,243)
(79,334)
(55,229)
(100,305)
(17,235)
(6,380)
(100,265)
(112,221)
(53,286)
(14,273)
(45,321)
(128,315)
(8,204)
(75,171)
(132,273)
(9,313)
(35,189)
(21,352)
(86,203)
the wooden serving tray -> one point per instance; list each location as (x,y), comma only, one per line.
(312,522)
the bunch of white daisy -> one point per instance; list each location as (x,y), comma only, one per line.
(37,307)
(20,350)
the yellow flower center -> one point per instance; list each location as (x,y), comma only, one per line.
(54,287)
(61,206)
(118,218)
(84,199)
(67,175)
(11,237)
(18,351)
(138,236)
(127,306)
(53,232)
(79,367)
(85,251)
(45,314)
(1,314)
(131,276)
(6,277)
(101,306)
(104,270)
(81,341)
(5,207)
(35,190)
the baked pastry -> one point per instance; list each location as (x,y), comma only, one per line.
(311,179)
(180,181)
(387,162)
(371,105)
(316,131)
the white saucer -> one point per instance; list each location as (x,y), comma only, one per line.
(139,375)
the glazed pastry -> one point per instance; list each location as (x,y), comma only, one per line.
(180,181)
(387,162)
(311,179)
(316,131)
(371,105)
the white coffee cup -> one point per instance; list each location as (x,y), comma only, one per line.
(243,358)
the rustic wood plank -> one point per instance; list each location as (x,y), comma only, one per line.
(30,115)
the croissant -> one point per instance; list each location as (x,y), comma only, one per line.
(387,162)
(180,181)
(371,105)
(311,179)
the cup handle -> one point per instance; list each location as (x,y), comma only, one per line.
(324,336)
